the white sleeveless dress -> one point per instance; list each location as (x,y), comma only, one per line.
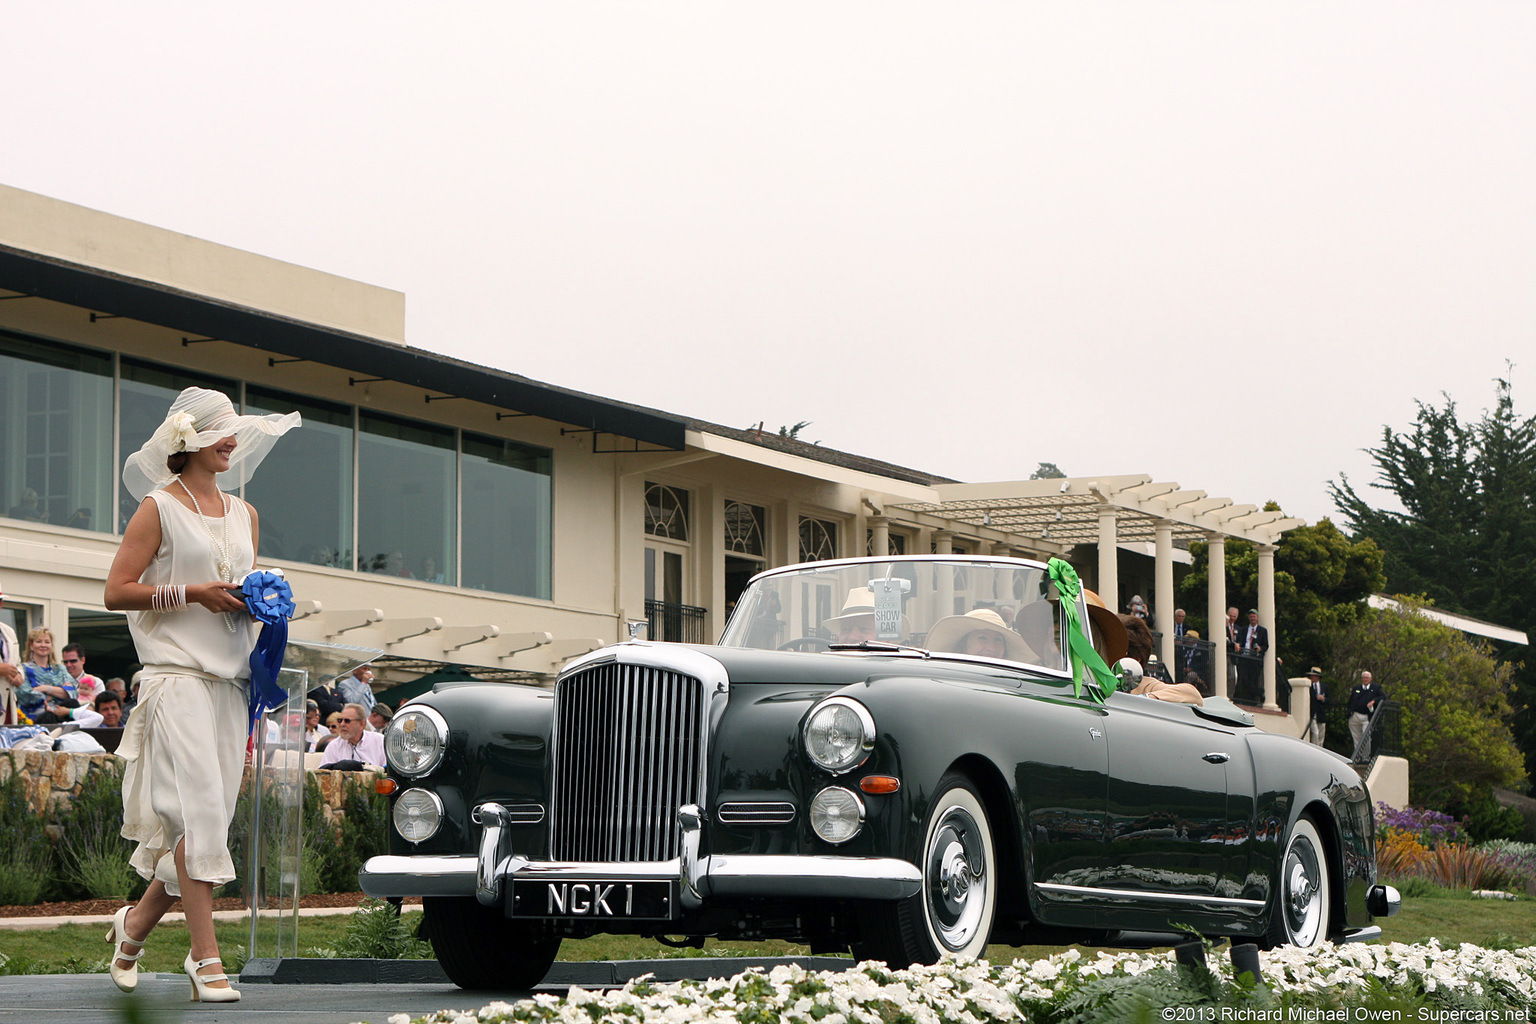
(185,742)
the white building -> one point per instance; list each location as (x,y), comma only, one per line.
(453,513)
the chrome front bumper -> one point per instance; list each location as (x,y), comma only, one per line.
(483,876)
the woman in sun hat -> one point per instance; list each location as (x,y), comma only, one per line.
(176,575)
(982,632)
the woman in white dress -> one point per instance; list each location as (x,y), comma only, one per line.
(175,574)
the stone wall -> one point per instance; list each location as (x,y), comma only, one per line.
(53,777)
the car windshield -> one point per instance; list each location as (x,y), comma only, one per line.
(1000,609)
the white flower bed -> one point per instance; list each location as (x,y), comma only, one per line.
(975,992)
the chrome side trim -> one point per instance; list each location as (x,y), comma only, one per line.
(1367,934)
(756,812)
(1134,894)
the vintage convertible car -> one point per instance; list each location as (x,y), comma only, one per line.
(908,757)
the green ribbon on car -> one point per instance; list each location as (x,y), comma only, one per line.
(1064,577)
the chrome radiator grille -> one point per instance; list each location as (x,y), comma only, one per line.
(629,750)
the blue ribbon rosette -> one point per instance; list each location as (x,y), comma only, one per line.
(269,599)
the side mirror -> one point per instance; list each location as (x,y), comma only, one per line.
(1128,671)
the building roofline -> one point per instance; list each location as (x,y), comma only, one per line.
(105,291)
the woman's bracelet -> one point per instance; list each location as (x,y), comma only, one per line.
(168,597)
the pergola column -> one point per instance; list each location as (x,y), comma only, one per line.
(1109,561)
(944,544)
(1216,610)
(1267,619)
(1163,594)
(880,536)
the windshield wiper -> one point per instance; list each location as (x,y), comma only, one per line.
(878,645)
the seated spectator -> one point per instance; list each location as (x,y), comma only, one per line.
(86,716)
(354,743)
(313,730)
(981,632)
(87,686)
(1139,647)
(110,707)
(379,717)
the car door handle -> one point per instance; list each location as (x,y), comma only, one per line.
(1217,757)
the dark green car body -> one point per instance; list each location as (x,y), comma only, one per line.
(1104,815)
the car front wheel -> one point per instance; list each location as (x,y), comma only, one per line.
(1302,898)
(481,948)
(952,914)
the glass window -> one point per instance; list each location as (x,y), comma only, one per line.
(406,495)
(304,487)
(146,394)
(744,528)
(666,512)
(506,518)
(56,418)
(818,539)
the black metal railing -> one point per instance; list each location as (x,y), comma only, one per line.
(1246,672)
(674,623)
(1192,655)
(1383,734)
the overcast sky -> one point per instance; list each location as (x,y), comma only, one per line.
(1220,243)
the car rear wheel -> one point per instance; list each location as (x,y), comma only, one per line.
(952,914)
(481,948)
(1302,897)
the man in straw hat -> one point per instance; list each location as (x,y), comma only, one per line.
(855,624)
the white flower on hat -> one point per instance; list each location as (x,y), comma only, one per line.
(183,430)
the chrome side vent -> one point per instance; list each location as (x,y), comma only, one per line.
(628,752)
(756,812)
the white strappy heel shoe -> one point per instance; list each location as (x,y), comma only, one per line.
(201,992)
(127,978)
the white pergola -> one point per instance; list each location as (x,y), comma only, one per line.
(1054,515)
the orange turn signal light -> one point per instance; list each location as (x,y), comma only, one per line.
(879,784)
(384,787)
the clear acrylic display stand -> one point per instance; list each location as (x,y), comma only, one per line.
(274,840)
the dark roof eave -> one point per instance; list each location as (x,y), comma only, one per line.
(105,292)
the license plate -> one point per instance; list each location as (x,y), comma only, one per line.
(579,898)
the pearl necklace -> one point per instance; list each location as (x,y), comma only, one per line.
(223,562)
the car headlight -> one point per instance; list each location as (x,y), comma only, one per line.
(417,815)
(837,814)
(415,740)
(839,734)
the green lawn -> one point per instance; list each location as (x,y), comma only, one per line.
(1450,917)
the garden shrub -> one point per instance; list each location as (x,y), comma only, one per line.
(377,931)
(362,833)
(93,855)
(26,856)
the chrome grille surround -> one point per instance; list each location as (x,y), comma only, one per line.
(629,748)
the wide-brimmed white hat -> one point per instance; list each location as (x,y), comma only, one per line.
(947,633)
(197,419)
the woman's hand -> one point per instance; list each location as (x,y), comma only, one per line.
(217,596)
